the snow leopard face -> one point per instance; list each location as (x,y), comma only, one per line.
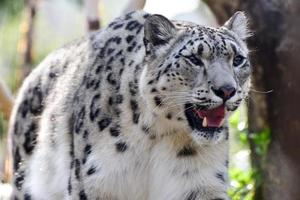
(196,75)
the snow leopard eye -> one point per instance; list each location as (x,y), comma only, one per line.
(238,60)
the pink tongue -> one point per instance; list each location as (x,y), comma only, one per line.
(214,116)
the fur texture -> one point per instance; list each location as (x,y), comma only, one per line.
(104,117)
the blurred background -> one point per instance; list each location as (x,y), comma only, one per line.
(265,132)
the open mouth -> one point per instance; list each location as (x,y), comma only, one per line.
(205,120)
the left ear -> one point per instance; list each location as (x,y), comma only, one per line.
(238,24)
(158,30)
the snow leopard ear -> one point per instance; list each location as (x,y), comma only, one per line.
(158,30)
(238,24)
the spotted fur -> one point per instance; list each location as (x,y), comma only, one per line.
(103,117)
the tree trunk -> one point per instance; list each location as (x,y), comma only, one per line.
(277,43)
(6,104)
(92,14)
(28,31)
(223,9)
(134,5)
(6,100)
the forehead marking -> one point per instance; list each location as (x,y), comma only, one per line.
(233,48)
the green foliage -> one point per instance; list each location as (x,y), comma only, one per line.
(261,141)
(242,184)
(10,58)
(245,181)
(11,7)
(242,181)
(3,126)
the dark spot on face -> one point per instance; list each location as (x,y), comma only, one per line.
(135,117)
(102,124)
(122,69)
(87,151)
(220,176)
(145,128)
(114,131)
(167,68)
(153,90)
(91,171)
(192,195)
(157,101)
(133,105)
(200,49)
(121,146)
(186,151)
(85,134)
(150,82)
(82,195)
(110,101)
(135,114)
(27,196)
(52,75)
(158,75)
(169,116)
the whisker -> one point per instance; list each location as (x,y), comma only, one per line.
(261,92)
(183,111)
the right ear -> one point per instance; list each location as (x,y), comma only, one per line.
(158,31)
(238,24)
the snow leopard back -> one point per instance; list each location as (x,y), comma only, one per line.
(90,63)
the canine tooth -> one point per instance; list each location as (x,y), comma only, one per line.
(222,122)
(204,123)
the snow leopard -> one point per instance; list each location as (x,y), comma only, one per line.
(135,111)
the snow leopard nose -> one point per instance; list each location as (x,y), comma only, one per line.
(225,92)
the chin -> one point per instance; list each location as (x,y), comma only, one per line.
(210,138)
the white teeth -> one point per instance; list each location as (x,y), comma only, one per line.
(204,122)
(222,122)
